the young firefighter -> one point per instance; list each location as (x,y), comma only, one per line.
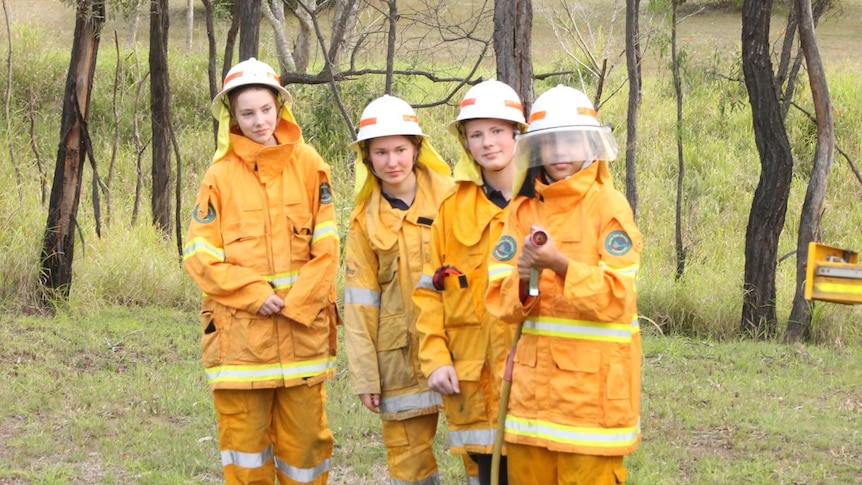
(575,398)
(462,347)
(387,245)
(263,248)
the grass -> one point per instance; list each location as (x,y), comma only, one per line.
(118,396)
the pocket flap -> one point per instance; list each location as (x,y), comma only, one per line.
(583,360)
(469,370)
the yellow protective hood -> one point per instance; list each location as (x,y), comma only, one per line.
(223,145)
(364,183)
(467,169)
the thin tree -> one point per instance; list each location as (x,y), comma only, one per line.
(799,323)
(7,98)
(160,107)
(58,248)
(769,206)
(680,177)
(633,69)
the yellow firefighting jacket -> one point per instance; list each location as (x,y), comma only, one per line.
(386,250)
(454,327)
(264,223)
(577,374)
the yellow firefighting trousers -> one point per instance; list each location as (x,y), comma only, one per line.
(264,433)
(409,451)
(532,465)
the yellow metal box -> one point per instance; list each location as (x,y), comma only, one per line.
(833,274)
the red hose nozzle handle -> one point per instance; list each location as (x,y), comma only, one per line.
(538,237)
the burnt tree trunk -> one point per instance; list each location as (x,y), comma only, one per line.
(249,28)
(513,21)
(160,106)
(799,323)
(58,248)
(769,206)
(633,67)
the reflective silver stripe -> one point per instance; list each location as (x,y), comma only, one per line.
(425,400)
(200,245)
(636,325)
(246,460)
(473,481)
(578,329)
(308,368)
(571,435)
(479,437)
(432,480)
(302,475)
(630,271)
(426,283)
(324,230)
(361,296)
(499,271)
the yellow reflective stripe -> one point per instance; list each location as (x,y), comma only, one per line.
(846,289)
(574,435)
(323,231)
(200,245)
(630,271)
(283,281)
(578,329)
(269,372)
(499,271)
(636,325)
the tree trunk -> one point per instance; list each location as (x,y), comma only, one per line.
(513,21)
(214,82)
(160,106)
(190,25)
(769,206)
(343,23)
(58,247)
(390,45)
(633,66)
(230,41)
(273,10)
(249,28)
(305,35)
(680,176)
(799,324)
(134,19)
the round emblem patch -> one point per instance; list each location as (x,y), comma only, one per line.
(325,194)
(618,243)
(505,249)
(204,218)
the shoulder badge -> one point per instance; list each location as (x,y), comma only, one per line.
(202,217)
(618,243)
(325,194)
(505,249)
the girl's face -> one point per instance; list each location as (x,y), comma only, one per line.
(491,142)
(256,113)
(392,158)
(563,153)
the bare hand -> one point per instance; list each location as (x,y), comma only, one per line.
(541,257)
(371,402)
(271,306)
(445,381)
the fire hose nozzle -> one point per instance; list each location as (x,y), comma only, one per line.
(537,238)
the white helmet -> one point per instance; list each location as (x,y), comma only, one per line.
(490,99)
(386,116)
(250,71)
(562,106)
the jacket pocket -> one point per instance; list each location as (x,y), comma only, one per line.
(469,406)
(460,304)
(213,354)
(313,340)
(576,380)
(301,233)
(618,396)
(393,354)
(247,338)
(244,241)
(391,301)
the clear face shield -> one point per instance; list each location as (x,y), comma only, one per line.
(564,150)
